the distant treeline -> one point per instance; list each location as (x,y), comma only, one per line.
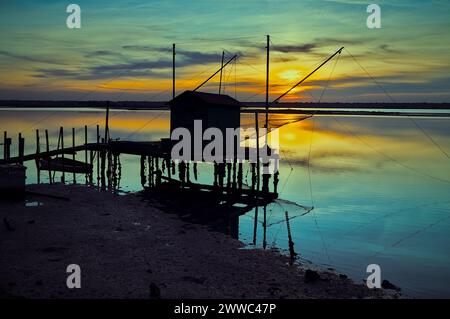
(163,105)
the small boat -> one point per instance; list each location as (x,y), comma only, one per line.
(64,165)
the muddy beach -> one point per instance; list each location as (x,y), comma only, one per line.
(129,247)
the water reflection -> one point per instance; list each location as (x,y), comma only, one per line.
(378,186)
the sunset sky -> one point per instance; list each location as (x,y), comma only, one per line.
(123,49)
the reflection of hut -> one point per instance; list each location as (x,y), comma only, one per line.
(214,110)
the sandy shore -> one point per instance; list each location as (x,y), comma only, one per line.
(127,247)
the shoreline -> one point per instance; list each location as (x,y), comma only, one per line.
(127,245)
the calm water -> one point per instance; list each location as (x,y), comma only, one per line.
(379,186)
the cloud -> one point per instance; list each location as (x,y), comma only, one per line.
(27,57)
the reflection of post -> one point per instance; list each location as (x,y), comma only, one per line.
(291,243)
(143,177)
(234,174)
(21,148)
(91,161)
(98,155)
(85,151)
(240,175)
(108,170)
(48,158)
(257,150)
(5,145)
(275,181)
(253,172)
(115,172)
(73,156)
(169,168)
(63,176)
(265,227)
(228,176)
(38,151)
(102,169)
(255,225)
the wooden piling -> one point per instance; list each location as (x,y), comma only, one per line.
(5,152)
(234,174)
(240,175)
(265,227)
(102,169)
(21,148)
(73,156)
(255,226)
(276,179)
(98,156)
(91,161)
(48,158)
(38,151)
(86,150)
(63,176)
(6,146)
(142,171)
(257,151)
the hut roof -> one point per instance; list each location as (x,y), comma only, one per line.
(206,98)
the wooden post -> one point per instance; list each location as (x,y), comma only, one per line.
(234,174)
(48,157)
(115,172)
(267,83)
(85,150)
(275,182)
(108,170)
(240,175)
(221,70)
(63,176)
(73,156)
(9,142)
(102,173)
(265,227)
(169,168)
(255,226)
(107,122)
(173,70)
(91,161)
(38,151)
(21,148)
(257,151)
(5,145)
(142,172)
(98,156)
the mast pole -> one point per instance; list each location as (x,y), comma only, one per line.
(306,77)
(267,84)
(203,83)
(221,70)
(173,70)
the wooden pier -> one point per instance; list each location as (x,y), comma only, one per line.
(154,156)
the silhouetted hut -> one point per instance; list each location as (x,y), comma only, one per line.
(214,110)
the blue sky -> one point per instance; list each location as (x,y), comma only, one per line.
(122,51)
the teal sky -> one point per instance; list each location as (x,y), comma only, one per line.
(122,51)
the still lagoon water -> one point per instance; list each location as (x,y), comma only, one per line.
(380,187)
